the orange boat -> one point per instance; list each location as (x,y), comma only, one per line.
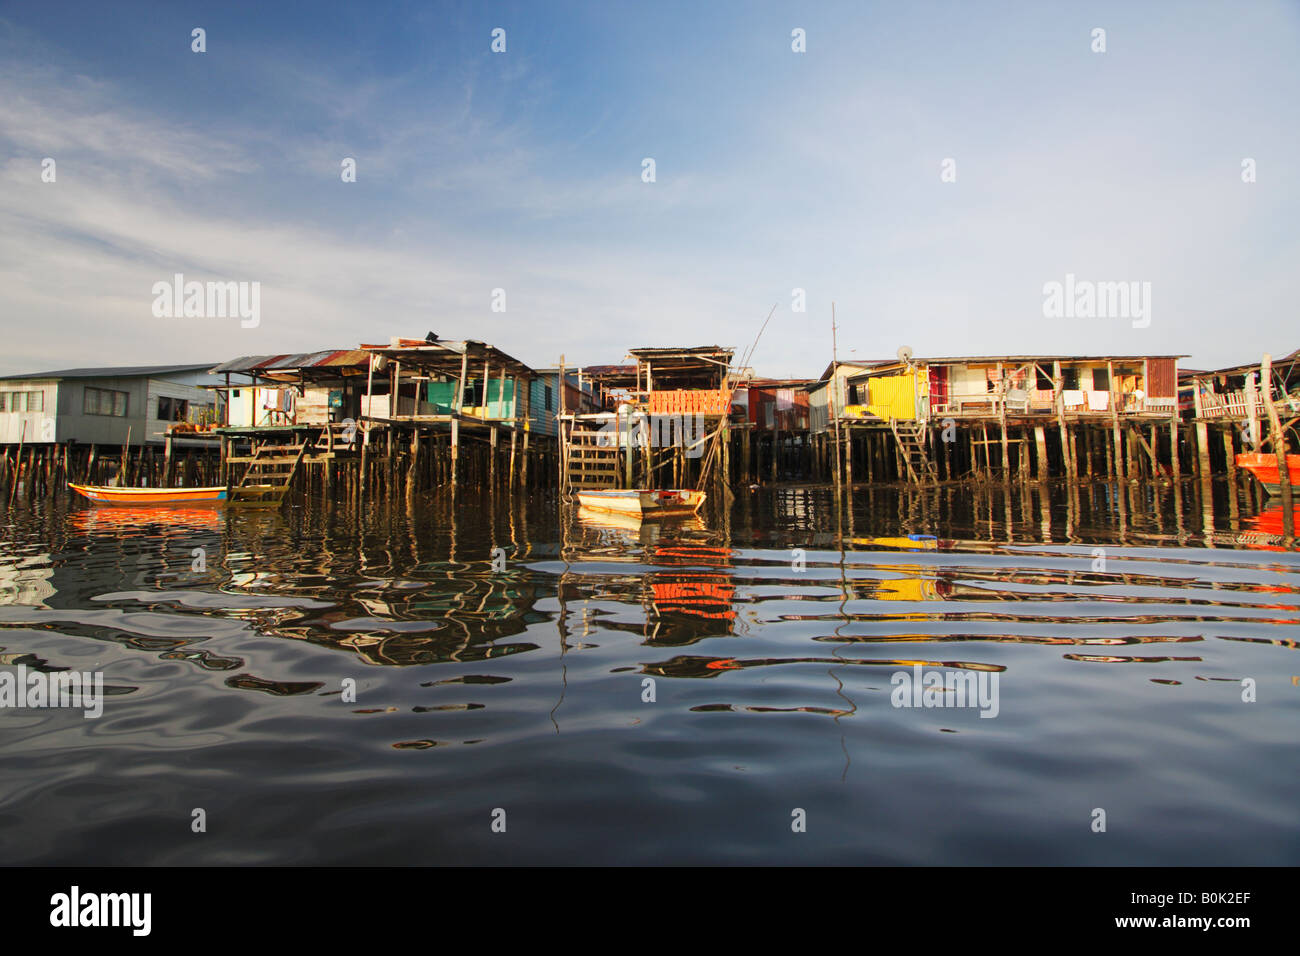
(1264,467)
(151,496)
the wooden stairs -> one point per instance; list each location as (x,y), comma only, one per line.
(270,473)
(590,464)
(910,436)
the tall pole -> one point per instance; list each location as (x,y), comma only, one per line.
(831,402)
(560,446)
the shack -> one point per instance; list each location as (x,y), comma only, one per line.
(1049,414)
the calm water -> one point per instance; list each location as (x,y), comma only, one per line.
(1119,636)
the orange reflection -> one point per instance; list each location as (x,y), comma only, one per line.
(1264,532)
(700,595)
(109,520)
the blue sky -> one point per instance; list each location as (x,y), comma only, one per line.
(775,170)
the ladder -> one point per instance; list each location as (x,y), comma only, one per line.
(270,473)
(592,465)
(911,442)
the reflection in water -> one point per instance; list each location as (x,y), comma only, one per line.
(609,670)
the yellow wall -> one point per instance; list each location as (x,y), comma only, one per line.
(894,396)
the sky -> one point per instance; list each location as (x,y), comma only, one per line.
(927,167)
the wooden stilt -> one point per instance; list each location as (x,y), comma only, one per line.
(1278,437)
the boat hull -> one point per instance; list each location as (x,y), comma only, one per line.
(1264,468)
(645,504)
(151,496)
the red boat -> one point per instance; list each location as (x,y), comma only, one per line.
(1264,467)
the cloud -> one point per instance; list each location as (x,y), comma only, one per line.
(820,174)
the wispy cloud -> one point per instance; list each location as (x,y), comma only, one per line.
(774,172)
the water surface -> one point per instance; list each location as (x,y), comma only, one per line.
(503,655)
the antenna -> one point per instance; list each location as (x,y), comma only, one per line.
(744,360)
(835,358)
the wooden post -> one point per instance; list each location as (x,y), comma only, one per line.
(1279,446)
(1230,458)
(1174,457)
(412,470)
(1058,386)
(848,460)
(725,425)
(1002,422)
(1252,409)
(1040,442)
(1114,422)
(745,457)
(18,463)
(1202,434)
(835,419)
(122,465)
(455,416)
(561,445)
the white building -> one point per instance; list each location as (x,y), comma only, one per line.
(101,406)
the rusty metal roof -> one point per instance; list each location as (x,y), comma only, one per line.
(330,358)
(446,356)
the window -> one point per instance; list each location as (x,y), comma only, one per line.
(1042,381)
(1101,380)
(550,397)
(103,401)
(173,409)
(22,401)
(1071,376)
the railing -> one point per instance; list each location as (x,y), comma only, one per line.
(690,401)
(1231,404)
(1022,401)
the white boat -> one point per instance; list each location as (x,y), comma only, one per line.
(647,504)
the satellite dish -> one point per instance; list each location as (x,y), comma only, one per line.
(905,354)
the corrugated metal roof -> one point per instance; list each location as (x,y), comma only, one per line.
(692,350)
(330,358)
(1246,367)
(244,363)
(116,371)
